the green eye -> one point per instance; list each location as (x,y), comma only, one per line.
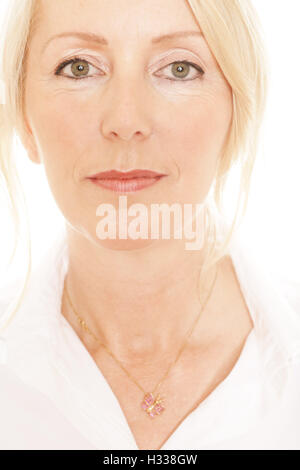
(80,68)
(180,69)
(183,68)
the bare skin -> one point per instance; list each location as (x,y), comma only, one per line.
(138,296)
(210,355)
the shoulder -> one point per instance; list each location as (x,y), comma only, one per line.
(290,289)
(287,296)
(30,420)
(260,277)
(11,318)
(9,296)
(19,405)
(8,291)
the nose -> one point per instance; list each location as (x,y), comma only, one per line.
(125,115)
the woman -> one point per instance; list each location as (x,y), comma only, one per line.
(177,88)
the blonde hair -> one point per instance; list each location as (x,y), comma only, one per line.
(233,33)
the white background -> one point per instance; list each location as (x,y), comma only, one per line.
(272,220)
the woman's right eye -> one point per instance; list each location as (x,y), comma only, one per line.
(78,67)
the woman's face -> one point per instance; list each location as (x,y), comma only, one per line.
(127,106)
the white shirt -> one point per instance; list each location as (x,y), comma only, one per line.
(53,395)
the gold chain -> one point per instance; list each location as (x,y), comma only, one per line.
(86,328)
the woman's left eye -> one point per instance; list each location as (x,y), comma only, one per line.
(180,69)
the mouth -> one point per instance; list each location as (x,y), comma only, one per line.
(126,181)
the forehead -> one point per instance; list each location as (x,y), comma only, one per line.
(115,18)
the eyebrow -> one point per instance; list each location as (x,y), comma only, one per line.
(101,39)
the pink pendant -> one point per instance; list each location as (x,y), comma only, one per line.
(152,406)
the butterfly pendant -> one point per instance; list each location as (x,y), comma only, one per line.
(152,406)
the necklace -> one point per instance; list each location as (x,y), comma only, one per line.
(152,404)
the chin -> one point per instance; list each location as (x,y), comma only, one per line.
(126,245)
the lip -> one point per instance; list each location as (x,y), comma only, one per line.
(126,181)
(116,174)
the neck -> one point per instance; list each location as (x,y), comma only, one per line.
(140,303)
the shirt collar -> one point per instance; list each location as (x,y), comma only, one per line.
(276,322)
(276,326)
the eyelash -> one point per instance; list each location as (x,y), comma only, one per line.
(76,59)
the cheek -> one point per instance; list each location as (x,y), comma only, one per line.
(64,139)
(201,131)
(63,135)
(201,134)
(196,138)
